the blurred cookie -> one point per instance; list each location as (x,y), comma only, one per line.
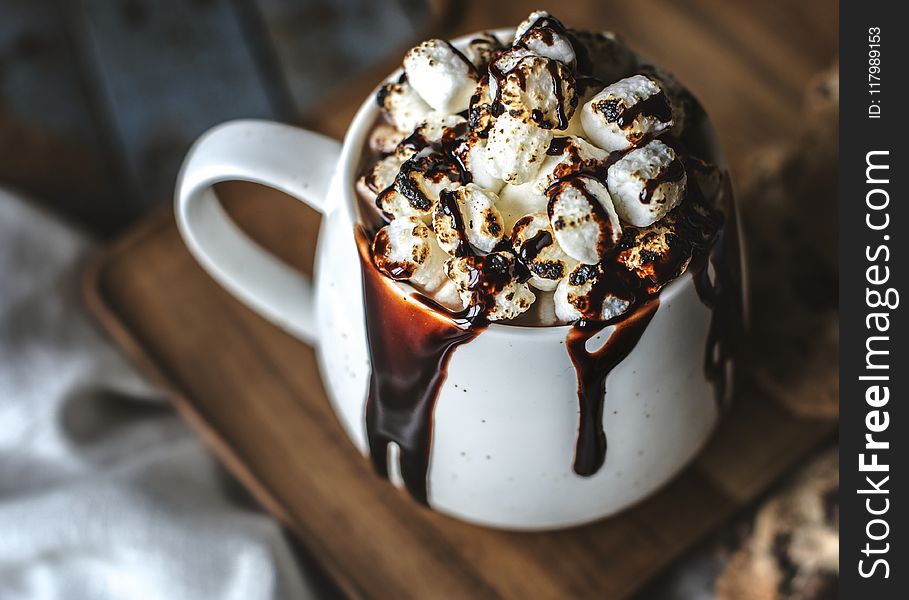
(792,553)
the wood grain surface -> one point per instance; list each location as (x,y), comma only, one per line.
(254,393)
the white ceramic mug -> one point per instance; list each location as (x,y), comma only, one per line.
(502,451)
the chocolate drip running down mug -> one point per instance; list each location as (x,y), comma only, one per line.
(502,433)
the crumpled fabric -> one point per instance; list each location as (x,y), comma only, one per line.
(104,491)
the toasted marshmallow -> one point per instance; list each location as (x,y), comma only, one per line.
(467,215)
(436,129)
(658,253)
(405,250)
(481,49)
(505,63)
(380,175)
(587,88)
(442,76)
(490,282)
(535,246)
(532,19)
(546,36)
(499,68)
(515,150)
(395,206)
(583,218)
(577,296)
(680,99)
(402,104)
(539,90)
(607,57)
(384,138)
(479,113)
(471,151)
(647,183)
(448,295)
(565,155)
(422,178)
(516,201)
(626,112)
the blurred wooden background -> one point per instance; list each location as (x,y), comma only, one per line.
(99,99)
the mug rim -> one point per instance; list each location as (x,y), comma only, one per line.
(352,150)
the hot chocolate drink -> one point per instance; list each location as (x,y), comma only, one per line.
(551,179)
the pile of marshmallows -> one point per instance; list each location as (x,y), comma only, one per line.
(521,187)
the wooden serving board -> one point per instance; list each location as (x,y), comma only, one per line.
(254,394)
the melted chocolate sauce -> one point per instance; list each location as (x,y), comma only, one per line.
(723,297)
(609,280)
(656,106)
(497,74)
(448,204)
(531,248)
(409,349)
(558,145)
(593,368)
(553,68)
(720,245)
(489,274)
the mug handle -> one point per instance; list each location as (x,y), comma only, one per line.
(297,162)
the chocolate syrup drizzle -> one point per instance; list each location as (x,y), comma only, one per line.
(609,279)
(409,350)
(553,68)
(558,145)
(724,297)
(593,368)
(532,247)
(718,244)
(448,204)
(656,106)
(410,347)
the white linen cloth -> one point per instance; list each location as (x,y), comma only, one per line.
(104,492)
